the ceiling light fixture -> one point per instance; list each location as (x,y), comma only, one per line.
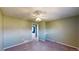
(38,19)
(37,14)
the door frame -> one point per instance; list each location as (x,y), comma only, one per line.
(36,30)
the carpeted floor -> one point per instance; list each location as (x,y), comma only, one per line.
(41,46)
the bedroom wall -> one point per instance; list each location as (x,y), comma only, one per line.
(78,31)
(1,30)
(42,30)
(16,31)
(64,31)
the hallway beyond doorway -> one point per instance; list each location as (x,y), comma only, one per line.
(35,31)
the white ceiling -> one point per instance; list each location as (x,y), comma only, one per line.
(48,13)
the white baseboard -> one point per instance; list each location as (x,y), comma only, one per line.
(65,44)
(68,45)
(42,40)
(17,44)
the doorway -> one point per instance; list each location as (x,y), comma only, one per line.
(35,31)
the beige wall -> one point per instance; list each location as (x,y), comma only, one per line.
(63,31)
(42,30)
(78,31)
(16,31)
(0,30)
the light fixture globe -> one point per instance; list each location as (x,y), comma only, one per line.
(38,19)
(38,15)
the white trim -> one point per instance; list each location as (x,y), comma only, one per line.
(68,45)
(37,32)
(17,44)
(65,44)
(42,40)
